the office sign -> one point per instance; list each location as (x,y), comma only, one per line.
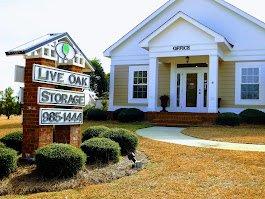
(181,48)
(48,96)
(49,116)
(49,75)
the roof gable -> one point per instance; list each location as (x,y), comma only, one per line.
(234,9)
(180,15)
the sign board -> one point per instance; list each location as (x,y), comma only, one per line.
(50,116)
(48,96)
(181,48)
(49,75)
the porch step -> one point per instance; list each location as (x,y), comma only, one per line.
(180,119)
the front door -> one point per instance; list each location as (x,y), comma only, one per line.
(192,90)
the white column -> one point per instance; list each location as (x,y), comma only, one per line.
(173,87)
(111,88)
(213,84)
(152,84)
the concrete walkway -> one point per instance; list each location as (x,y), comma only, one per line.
(173,135)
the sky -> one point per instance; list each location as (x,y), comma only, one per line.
(93,24)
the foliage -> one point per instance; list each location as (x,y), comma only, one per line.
(2,145)
(104,105)
(1,102)
(95,114)
(8,161)
(127,140)
(252,116)
(131,115)
(116,113)
(229,119)
(59,161)
(10,104)
(94,131)
(101,150)
(99,82)
(13,140)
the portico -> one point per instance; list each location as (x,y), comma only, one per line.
(194,64)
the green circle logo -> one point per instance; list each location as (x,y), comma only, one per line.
(65,51)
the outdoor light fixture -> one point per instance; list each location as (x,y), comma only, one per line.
(136,164)
(187,59)
(131,156)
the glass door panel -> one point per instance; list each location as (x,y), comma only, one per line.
(191,90)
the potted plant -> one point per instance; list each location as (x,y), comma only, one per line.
(164,102)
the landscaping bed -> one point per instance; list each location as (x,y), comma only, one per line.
(26,181)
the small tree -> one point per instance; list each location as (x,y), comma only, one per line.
(9,103)
(99,83)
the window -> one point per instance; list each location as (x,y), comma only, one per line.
(140,85)
(138,88)
(250,83)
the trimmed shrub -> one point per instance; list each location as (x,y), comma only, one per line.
(101,150)
(8,161)
(2,145)
(13,141)
(228,119)
(127,140)
(94,131)
(59,161)
(96,114)
(116,113)
(131,115)
(252,116)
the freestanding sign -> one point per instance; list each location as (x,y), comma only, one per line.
(53,78)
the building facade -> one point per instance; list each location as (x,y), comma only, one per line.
(206,55)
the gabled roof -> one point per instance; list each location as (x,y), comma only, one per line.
(107,52)
(218,38)
(42,41)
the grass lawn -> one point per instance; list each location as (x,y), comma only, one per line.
(180,172)
(242,134)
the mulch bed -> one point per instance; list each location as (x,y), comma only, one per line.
(26,181)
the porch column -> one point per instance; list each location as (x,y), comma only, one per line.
(152,84)
(213,84)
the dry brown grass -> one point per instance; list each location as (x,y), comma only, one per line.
(242,134)
(7,126)
(182,172)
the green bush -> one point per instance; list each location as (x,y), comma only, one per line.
(94,131)
(127,140)
(131,115)
(116,113)
(252,116)
(101,150)
(96,114)
(2,145)
(59,161)
(228,119)
(13,141)
(8,161)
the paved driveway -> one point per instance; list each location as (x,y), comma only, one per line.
(173,135)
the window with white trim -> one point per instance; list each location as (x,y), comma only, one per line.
(138,84)
(249,83)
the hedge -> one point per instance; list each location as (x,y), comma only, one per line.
(13,140)
(228,119)
(127,140)
(8,161)
(252,116)
(96,114)
(59,161)
(94,131)
(116,113)
(101,150)
(2,145)
(131,115)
